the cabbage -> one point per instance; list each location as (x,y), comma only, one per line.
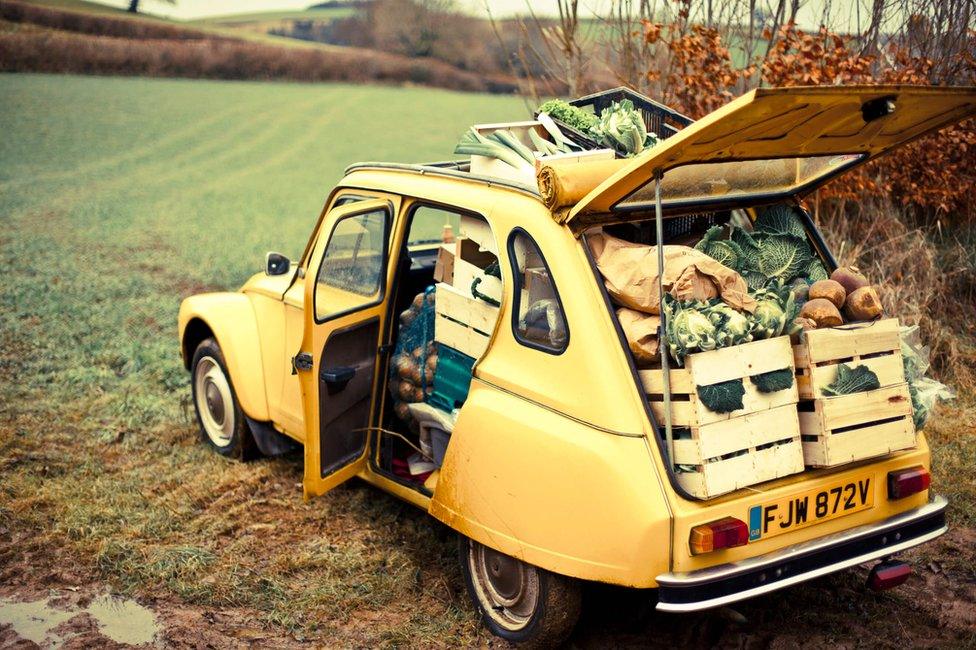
(776,311)
(621,127)
(689,329)
(724,251)
(779,220)
(723,397)
(732,327)
(783,256)
(816,271)
(852,380)
(773,381)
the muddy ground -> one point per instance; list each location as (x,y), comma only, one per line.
(47,598)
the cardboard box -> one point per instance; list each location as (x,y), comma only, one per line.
(444,267)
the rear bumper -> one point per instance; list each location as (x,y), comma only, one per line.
(728,583)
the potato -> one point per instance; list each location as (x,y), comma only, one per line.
(432,362)
(850,278)
(801,291)
(418,394)
(429,376)
(823,312)
(402,411)
(417,303)
(407,317)
(405,390)
(402,363)
(806,323)
(832,290)
(863,304)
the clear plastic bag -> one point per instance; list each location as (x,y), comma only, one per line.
(925,391)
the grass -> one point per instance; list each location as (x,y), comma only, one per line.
(322,14)
(118,197)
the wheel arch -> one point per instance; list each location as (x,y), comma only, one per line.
(229,318)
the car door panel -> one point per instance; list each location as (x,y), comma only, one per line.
(346,286)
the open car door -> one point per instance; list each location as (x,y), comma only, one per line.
(345,293)
(770,144)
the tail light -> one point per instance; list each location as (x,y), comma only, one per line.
(719,534)
(909,481)
(888,575)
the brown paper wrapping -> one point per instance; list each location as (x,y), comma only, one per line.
(630,273)
(640,330)
(564,183)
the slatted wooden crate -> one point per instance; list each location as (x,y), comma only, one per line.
(845,428)
(462,322)
(728,451)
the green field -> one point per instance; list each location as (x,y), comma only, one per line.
(119,197)
(317,15)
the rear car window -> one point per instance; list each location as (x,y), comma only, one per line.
(538,318)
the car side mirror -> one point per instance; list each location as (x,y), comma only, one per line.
(276,264)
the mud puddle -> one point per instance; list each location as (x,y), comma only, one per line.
(52,621)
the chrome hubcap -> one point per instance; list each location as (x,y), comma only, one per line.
(214,401)
(507,588)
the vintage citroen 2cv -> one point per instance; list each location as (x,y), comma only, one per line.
(556,468)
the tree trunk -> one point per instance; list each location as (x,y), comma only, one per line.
(134,6)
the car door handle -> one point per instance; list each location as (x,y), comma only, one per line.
(340,375)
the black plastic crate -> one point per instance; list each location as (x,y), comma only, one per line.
(658,118)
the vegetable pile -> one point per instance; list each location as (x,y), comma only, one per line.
(620,127)
(414,361)
(776,254)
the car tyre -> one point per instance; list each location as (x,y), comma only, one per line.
(219,414)
(519,602)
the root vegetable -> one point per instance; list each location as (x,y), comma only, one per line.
(405,390)
(402,411)
(832,290)
(823,312)
(850,278)
(863,304)
(806,323)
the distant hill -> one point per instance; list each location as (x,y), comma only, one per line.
(73,36)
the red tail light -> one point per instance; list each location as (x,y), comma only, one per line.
(715,535)
(888,575)
(906,482)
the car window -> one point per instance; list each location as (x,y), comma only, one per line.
(538,318)
(351,274)
(429,225)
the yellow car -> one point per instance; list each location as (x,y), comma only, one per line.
(556,470)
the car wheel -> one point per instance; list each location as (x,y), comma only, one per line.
(222,423)
(519,602)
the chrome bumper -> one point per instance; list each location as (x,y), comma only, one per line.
(728,583)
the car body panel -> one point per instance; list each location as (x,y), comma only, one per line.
(541,486)
(231,318)
(783,123)
(554,458)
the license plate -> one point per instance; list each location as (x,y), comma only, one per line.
(809,508)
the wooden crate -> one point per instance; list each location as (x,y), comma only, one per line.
(462,322)
(757,443)
(846,428)
(470,263)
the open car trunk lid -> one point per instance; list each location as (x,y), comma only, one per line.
(770,144)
